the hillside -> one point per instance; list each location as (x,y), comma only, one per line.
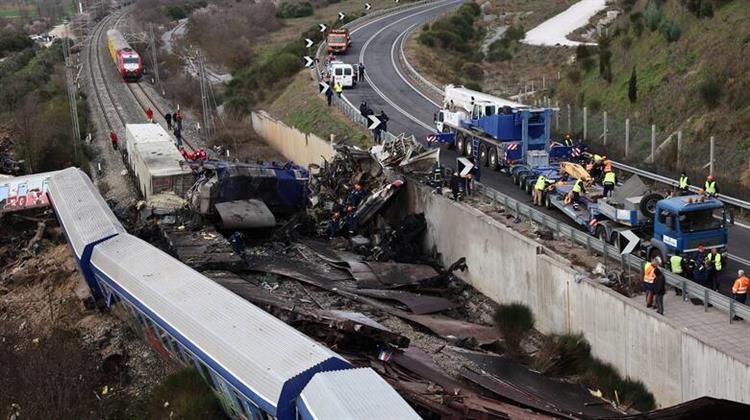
(693,74)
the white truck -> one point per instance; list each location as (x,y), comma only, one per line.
(343,73)
(155,161)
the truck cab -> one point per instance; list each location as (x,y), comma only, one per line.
(338,41)
(681,224)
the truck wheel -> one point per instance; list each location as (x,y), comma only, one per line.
(470,148)
(483,159)
(493,159)
(648,204)
(460,144)
(615,239)
(514,178)
(601,233)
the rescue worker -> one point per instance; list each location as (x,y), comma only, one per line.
(659,289)
(455,185)
(361,70)
(710,186)
(237,239)
(577,190)
(700,273)
(539,187)
(150,115)
(113,139)
(739,289)
(329,96)
(383,120)
(178,136)
(338,88)
(178,119)
(609,182)
(684,184)
(351,221)
(363,109)
(607,165)
(168,119)
(676,264)
(713,262)
(356,195)
(437,178)
(568,140)
(596,171)
(649,276)
(467,183)
(334,225)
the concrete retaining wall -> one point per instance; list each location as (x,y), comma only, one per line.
(508,267)
(301,148)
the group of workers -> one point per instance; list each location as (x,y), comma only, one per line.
(460,185)
(365,111)
(710,188)
(343,221)
(702,267)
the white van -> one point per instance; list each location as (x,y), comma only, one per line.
(342,73)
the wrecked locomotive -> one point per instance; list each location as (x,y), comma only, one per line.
(258,366)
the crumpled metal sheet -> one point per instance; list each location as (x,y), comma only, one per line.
(376,275)
(510,380)
(245,214)
(419,304)
(453,329)
(699,408)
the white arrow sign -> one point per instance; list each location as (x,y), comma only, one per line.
(308,61)
(341,16)
(468,166)
(375,122)
(322,27)
(324,88)
(367,6)
(633,241)
(308,42)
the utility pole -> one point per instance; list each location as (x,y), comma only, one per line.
(204,97)
(154,60)
(72,104)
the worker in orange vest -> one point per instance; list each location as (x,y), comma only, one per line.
(739,290)
(649,275)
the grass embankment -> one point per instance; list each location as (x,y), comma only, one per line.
(300,106)
(568,357)
(691,71)
(463,49)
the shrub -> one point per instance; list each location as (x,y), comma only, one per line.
(14,42)
(499,54)
(574,76)
(584,51)
(456,32)
(473,85)
(294,9)
(514,321)
(561,355)
(633,87)
(188,397)
(653,15)
(595,105)
(515,33)
(473,71)
(603,376)
(711,90)
(587,64)
(670,30)
(427,38)
(626,42)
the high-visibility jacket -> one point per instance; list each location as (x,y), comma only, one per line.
(577,187)
(609,178)
(683,182)
(598,158)
(541,182)
(675,262)
(741,285)
(710,187)
(716,261)
(649,272)
(338,87)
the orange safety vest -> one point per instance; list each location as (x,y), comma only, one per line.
(649,273)
(741,285)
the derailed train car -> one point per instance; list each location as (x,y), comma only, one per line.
(128,62)
(258,366)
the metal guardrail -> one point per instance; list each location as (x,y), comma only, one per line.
(689,288)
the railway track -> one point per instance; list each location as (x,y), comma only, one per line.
(110,104)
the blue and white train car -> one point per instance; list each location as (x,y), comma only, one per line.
(256,363)
(84,216)
(352,394)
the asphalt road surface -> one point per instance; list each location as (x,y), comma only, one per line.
(411,111)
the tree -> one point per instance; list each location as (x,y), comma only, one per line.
(633,87)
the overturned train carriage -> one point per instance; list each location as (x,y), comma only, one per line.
(255,363)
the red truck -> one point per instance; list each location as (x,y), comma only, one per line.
(338,41)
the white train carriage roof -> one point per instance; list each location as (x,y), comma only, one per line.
(117,40)
(352,394)
(84,215)
(260,355)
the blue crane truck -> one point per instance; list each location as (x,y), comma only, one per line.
(498,133)
(666,226)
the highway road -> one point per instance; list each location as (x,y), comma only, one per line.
(410,110)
